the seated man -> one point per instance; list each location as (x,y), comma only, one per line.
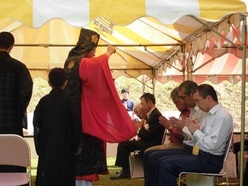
(210,140)
(139,118)
(176,137)
(149,134)
(139,112)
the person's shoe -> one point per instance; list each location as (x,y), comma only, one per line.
(121,175)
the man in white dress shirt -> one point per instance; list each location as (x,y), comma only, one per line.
(209,140)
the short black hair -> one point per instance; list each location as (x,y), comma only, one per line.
(149,96)
(6,40)
(124,90)
(207,90)
(188,87)
(57,77)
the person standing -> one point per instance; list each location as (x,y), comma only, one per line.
(91,83)
(57,130)
(128,104)
(16,87)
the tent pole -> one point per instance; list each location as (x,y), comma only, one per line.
(244,30)
(189,66)
(45,45)
(183,60)
(153,85)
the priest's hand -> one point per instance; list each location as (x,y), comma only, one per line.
(111,50)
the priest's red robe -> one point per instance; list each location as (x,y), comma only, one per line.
(103,114)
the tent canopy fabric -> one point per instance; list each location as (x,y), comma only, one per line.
(165,40)
(79,13)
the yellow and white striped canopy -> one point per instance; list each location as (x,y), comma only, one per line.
(79,13)
(153,37)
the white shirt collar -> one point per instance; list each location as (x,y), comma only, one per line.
(149,113)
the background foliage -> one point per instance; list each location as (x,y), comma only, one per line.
(229,94)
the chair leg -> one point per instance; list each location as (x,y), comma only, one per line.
(217,181)
(237,164)
(227,181)
(179,179)
(131,164)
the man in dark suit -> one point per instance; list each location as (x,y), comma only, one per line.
(150,133)
(16,86)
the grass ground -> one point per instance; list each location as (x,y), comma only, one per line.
(106,181)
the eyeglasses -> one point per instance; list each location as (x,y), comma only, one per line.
(183,97)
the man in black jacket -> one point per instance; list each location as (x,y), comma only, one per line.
(15,89)
(149,134)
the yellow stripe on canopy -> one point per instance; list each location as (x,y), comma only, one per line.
(120,12)
(79,13)
(137,38)
(216,9)
(18,10)
(122,35)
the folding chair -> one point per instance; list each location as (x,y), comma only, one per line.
(204,179)
(14,151)
(136,161)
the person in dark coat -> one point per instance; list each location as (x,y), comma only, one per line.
(16,87)
(57,130)
(150,133)
(128,103)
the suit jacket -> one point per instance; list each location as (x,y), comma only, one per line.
(16,87)
(152,136)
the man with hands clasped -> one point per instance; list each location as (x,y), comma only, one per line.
(149,134)
(176,138)
(209,141)
(140,119)
(186,93)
